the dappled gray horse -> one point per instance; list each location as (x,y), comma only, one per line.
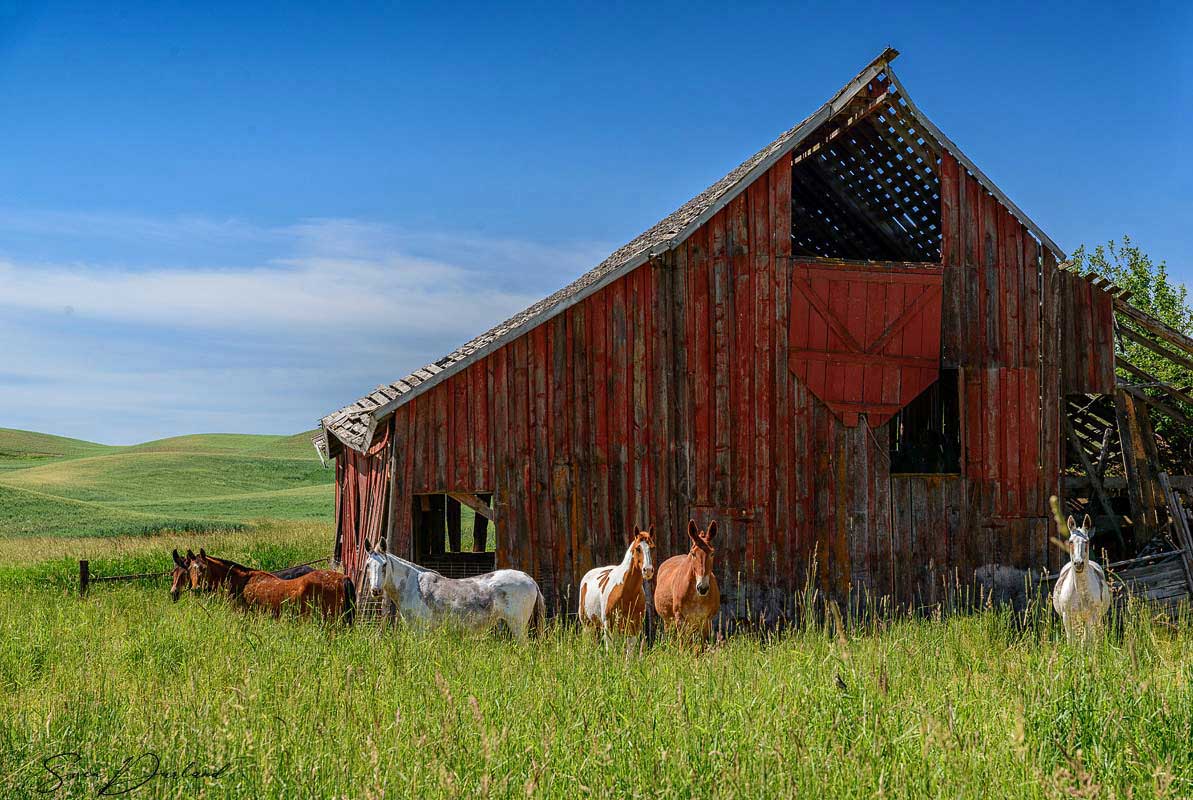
(424,596)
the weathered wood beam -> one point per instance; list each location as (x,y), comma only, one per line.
(1154,326)
(1139,463)
(1180,526)
(1129,333)
(1160,405)
(1148,378)
(475,503)
(453,525)
(1095,482)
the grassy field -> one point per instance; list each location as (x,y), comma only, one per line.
(977,706)
(52,486)
(125,693)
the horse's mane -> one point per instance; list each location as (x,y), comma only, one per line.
(227,562)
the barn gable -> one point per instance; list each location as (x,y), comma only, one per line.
(865,185)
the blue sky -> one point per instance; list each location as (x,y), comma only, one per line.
(240,216)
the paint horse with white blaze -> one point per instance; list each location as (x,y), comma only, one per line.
(612,598)
(423,596)
(1082,594)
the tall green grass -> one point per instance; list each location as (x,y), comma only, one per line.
(989,705)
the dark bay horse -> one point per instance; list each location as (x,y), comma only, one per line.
(331,593)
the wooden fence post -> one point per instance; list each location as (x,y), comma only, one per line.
(84,577)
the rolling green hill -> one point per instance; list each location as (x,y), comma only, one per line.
(54,486)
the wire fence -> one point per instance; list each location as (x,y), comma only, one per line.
(86,578)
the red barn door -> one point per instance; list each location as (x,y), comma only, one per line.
(865,338)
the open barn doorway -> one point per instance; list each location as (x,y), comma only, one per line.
(455,533)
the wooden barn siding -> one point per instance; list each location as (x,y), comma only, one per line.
(1087,341)
(667,395)
(999,329)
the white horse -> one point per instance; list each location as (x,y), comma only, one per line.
(1082,594)
(424,596)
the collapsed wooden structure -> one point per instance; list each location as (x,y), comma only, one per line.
(853,351)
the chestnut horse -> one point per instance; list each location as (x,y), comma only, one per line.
(613,597)
(332,593)
(180,578)
(686,596)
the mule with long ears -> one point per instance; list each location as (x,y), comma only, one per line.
(686,596)
(329,592)
(423,596)
(613,598)
(1081,595)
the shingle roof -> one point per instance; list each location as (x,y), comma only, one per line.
(353,425)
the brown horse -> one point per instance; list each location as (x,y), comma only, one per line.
(332,593)
(686,596)
(180,578)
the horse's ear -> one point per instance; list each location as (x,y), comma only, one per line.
(1087,523)
(712,530)
(178,558)
(202,554)
(190,554)
(380,544)
(1071,523)
(693,531)
(650,533)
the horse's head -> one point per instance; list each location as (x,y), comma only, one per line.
(702,554)
(376,569)
(642,549)
(180,578)
(1079,542)
(203,576)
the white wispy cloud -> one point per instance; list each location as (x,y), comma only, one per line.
(119,351)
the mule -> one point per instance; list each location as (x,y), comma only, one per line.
(686,596)
(331,593)
(423,596)
(1081,595)
(613,598)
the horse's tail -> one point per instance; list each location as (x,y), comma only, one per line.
(349,611)
(538,617)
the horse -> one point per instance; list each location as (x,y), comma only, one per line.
(686,596)
(613,597)
(1081,595)
(180,577)
(423,596)
(332,593)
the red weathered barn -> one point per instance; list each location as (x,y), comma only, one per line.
(849,350)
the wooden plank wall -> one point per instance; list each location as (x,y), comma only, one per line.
(1087,336)
(362,499)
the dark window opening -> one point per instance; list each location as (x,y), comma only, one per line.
(455,534)
(926,433)
(866,185)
